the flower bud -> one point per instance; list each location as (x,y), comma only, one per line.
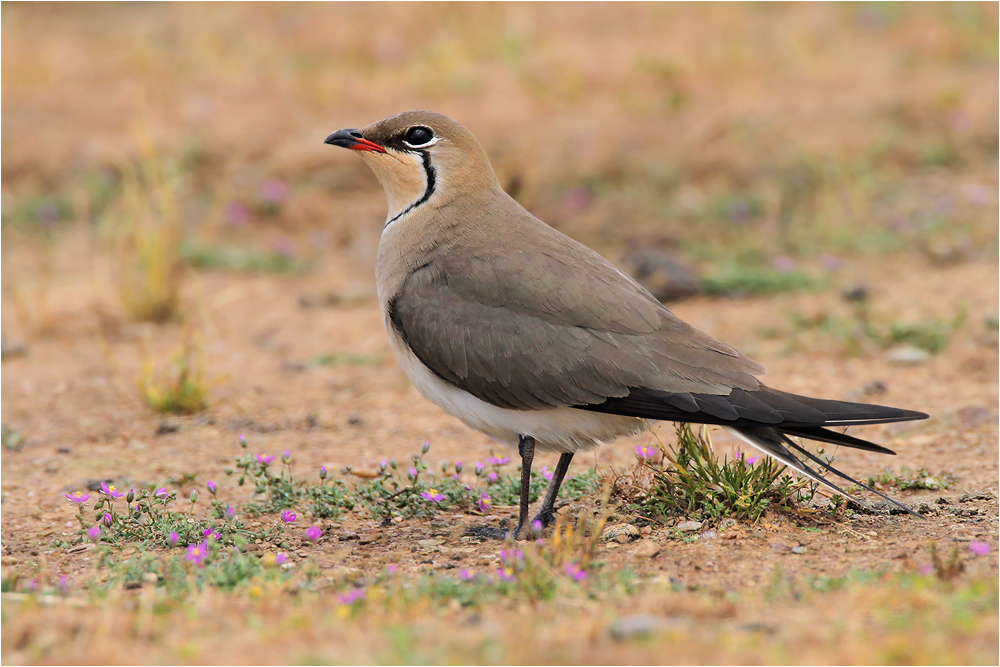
(322,472)
(426,448)
(194,495)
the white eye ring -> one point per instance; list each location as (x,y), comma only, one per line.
(430,142)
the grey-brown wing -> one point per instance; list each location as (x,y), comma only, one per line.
(519,349)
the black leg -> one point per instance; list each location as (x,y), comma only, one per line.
(547,513)
(526,448)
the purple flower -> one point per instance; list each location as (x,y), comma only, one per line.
(322,472)
(752,459)
(286,456)
(831,263)
(273,192)
(210,534)
(537,526)
(173,539)
(512,557)
(352,597)
(505,574)
(432,495)
(197,553)
(412,472)
(161,493)
(458,467)
(480,469)
(77,497)
(980,548)
(265,459)
(230,513)
(645,452)
(497,461)
(466,575)
(212,487)
(94,533)
(106,519)
(314,533)
(783,264)
(546,473)
(280,558)
(289,516)
(484,502)
(237,214)
(111,491)
(575,572)
(492,477)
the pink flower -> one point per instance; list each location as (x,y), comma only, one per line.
(491,478)
(575,572)
(498,461)
(314,533)
(980,548)
(432,495)
(484,502)
(77,497)
(173,539)
(265,459)
(645,452)
(212,487)
(288,516)
(273,192)
(161,493)
(280,558)
(546,473)
(94,533)
(352,597)
(111,491)
(210,534)
(106,519)
(197,553)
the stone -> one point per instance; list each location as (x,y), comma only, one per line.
(430,543)
(689,526)
(638,625)
(622,534)
(798,550)
(907,355)
(646,549)
(663,272)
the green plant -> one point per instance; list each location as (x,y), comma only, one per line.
(183,389)
(689,480)
(742,280)
(148,233)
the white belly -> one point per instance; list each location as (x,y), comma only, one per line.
(555,429)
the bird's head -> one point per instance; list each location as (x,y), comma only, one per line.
(420,158)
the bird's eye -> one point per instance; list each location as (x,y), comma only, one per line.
(418,136)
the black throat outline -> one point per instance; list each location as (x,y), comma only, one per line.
(431,179)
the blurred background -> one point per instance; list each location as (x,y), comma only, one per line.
(730,149)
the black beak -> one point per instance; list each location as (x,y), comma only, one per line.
(354,140)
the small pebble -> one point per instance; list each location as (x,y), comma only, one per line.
(907,355)
(640,625)
(646,549)
(689,526)
(798,550)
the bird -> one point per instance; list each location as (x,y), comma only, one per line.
(538,341)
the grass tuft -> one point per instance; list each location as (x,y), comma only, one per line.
(688,480)
(182,389)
